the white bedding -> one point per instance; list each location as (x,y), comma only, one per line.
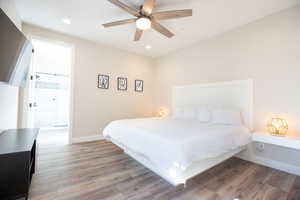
(172,144)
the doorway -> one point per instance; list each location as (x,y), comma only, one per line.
(49,91)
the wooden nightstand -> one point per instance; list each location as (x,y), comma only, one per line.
(289,141)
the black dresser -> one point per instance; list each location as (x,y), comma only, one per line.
(17,162)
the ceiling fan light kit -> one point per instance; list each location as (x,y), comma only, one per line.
(143,23)
(145,18)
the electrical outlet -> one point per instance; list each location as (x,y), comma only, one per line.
(260,147)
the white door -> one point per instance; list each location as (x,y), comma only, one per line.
(29,97)
(48,99)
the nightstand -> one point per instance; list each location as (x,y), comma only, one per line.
(17,158)
(289,140)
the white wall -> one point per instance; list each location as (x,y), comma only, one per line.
(9,94)
(93,107)
(267,51)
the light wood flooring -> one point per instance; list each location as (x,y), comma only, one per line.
(53,137)
(100,171)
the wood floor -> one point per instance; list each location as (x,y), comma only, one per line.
(100,171)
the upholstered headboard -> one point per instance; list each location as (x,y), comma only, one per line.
(236,94)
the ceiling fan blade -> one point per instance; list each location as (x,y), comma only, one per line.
(138,34)
(172,14)
(158,27)
(121,22)
(123,6)
(148,7)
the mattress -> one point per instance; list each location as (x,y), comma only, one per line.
(174,145)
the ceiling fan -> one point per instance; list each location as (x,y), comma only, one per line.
(145,18)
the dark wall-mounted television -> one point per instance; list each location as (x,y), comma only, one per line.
(15,53)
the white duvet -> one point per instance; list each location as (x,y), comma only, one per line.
(176,143)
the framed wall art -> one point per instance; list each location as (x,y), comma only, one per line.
(103,81)
(139,85)
(122,83)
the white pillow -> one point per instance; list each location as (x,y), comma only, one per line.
(226,116)
(177,113)
(203,115)
(189,113)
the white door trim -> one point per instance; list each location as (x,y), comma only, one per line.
(24,94)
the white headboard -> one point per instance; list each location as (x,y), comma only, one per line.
(236,94)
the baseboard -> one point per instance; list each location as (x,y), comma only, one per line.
(292,169)
(87,139)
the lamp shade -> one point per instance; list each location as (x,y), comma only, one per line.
(278,126)
(162,112)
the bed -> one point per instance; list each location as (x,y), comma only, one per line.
(178,148)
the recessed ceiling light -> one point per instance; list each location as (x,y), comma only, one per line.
(66,21)
(148,47)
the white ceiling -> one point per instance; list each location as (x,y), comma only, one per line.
(211,17)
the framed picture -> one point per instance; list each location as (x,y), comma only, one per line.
(103,81)
(139,85)
(122,83)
